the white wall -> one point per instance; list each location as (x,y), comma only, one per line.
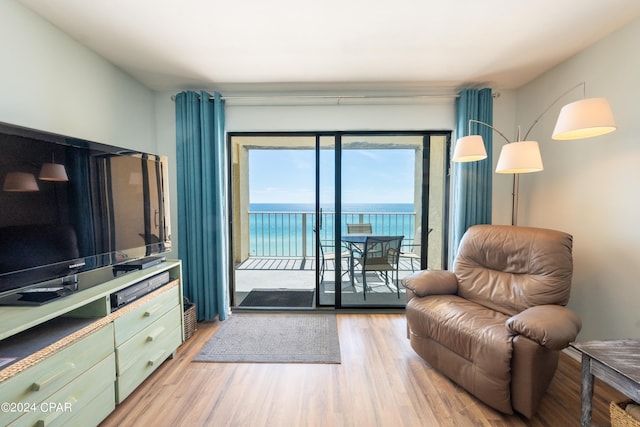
(436,114)
(589,187)
(50,82)
(166,131)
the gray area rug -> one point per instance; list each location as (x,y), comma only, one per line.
(274,338)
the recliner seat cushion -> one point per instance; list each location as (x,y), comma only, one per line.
(476,334)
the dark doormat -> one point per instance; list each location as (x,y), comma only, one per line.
(278,298)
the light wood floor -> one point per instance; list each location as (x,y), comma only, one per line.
(380,382)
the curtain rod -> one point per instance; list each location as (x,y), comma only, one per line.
(433,95)
(336,97)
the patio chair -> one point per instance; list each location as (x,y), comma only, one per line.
(381,254)
(331,256)
(359,228)
(412,251)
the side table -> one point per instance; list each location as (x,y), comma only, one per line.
(616,362)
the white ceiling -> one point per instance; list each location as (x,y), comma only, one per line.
(336,46)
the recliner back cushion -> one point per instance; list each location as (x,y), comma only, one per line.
(510,268)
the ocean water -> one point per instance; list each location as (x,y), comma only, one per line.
(288,230)
(346,207)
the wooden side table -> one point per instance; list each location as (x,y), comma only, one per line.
(616,362)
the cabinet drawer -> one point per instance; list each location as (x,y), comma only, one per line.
(146,362)
(94,412)
(146,340)
(132,322)
(59,408)
(37,383)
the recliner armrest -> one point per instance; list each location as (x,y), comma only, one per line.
(431,282)
(552,326)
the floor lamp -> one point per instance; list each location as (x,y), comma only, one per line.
(585,118)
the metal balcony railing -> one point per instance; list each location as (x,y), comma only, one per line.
(291,234)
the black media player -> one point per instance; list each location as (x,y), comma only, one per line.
(139,264)
(133,292)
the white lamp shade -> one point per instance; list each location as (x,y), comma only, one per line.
(584,119)
(53,172)
(20,182)
(469,149)
(520,157)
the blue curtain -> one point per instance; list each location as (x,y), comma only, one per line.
(202,218)
(473,180)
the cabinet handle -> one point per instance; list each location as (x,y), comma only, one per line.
(156,359)
(152,310)
(48,380)
(155,333)
(54,414)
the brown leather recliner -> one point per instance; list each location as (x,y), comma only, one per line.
(496,323)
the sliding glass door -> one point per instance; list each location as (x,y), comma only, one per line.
(273,179)
(317,212)
(381,206)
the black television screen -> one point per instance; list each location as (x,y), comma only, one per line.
(69,205)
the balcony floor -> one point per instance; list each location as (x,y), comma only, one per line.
(260,263)
(298,273)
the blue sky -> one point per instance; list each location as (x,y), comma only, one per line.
(368,176)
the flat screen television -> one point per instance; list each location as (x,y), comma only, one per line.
(69,206)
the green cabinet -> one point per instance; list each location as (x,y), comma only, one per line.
(59,408)
(144,338)
(37,388)
(78,376)
(147,313)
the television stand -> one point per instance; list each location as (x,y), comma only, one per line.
(81,353)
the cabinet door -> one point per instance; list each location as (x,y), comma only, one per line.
(39,382)
(59,408)
(137,319)
(143,364)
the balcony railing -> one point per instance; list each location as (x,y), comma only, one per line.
(291,234)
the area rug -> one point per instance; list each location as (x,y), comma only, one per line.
(278,298)
(274,338)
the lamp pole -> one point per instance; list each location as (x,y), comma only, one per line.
(516,176)
(514,202)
